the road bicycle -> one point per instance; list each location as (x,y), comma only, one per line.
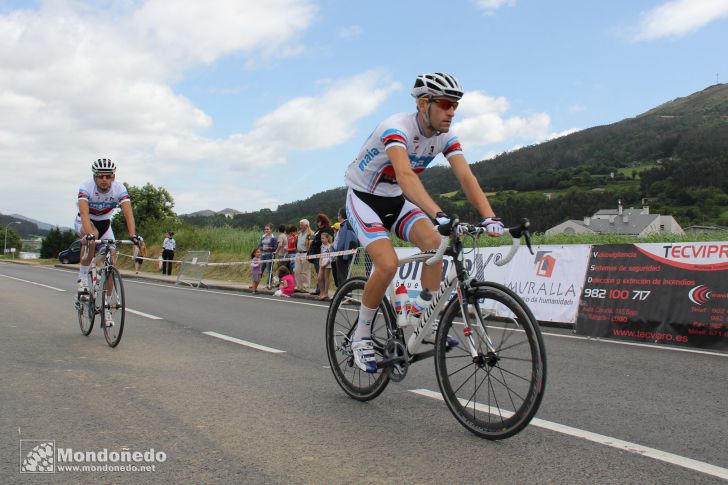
(105,296)
(492,382)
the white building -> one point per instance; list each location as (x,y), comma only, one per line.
(632,222)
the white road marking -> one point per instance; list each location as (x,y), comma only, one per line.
(601,439)
(142,314)
(33,283)
(245,343)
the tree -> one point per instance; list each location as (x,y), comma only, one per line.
(13,239)
(152,208)
(55,242)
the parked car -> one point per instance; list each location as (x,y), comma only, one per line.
(72,255)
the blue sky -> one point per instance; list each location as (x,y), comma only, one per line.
(249,104)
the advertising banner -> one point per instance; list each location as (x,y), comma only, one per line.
(550,281)
(671,293)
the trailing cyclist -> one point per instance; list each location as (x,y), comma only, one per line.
(385,194)
(97,199)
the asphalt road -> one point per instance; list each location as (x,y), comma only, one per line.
(222,412)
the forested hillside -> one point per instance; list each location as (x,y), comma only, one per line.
(673,158)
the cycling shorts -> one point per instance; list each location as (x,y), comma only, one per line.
(104,228)
(373,216)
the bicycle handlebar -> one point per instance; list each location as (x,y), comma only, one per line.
(455,228)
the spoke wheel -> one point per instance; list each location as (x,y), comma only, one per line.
(340,326)
(114,306)
(495,394)
(85,309)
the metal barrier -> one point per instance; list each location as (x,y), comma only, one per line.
(361,265)
(193,268)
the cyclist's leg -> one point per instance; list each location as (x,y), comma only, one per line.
(415,227)
(87,253)
(374,238)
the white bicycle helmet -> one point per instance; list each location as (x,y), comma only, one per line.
(103,165)
(437,84)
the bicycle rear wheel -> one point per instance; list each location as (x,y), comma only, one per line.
(85,309)
(114,306)
(341,322)
(496,394)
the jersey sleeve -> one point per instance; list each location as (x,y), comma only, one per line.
(393,135)
(123,194)
(452,147)
(84,194)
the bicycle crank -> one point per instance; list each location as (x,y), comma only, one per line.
(395,356)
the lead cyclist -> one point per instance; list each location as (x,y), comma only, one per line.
(385,195)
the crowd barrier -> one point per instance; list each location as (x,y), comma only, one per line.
(668,293)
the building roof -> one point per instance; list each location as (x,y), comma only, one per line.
(636,223)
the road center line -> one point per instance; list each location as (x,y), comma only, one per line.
(33,283)
(671,458)
(142,314)
(245,343)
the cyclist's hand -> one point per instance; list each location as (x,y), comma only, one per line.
(493,226)
(442,219)
(137,240)
(90,237)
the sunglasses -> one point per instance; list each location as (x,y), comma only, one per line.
(103,176)
(445,104)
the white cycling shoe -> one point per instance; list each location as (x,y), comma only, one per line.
(364,358)
(108,319)
(82,286)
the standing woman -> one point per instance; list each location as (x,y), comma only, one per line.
(140,251)
(323,224)
(168,247)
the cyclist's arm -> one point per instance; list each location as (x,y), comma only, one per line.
(470,185)
(128,217)
(86,225)
(410,183)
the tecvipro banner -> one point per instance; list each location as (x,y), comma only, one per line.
(672,293)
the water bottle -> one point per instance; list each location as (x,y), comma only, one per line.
(401,302)
(418,306)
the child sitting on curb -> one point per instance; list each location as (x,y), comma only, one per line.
(287,283)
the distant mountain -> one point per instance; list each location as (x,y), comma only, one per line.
(41,225)
(207,213)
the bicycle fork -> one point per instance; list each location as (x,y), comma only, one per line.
(469,326)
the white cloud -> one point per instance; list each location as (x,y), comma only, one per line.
(484,122)
(490,6)
(77,83)
(678,18)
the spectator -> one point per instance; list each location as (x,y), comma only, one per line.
(169,245)
(345,240)
(255,269)
(302,266)
(267,245)
(291,246)
(287,283)
(140,251)
(324,275)
(282,251)
(324,226)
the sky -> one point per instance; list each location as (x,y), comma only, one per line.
(248,104)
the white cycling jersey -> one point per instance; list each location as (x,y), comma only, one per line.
(101,205)
(372,170)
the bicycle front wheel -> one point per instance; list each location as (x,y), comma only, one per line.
(496,392)
(341,323)
(114,307)
(85,309)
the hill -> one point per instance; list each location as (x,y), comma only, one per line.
(22,225)
(673,157)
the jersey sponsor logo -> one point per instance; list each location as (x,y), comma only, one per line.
(368,157)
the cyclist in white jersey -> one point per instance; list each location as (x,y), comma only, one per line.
(97,199)
(385,194)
